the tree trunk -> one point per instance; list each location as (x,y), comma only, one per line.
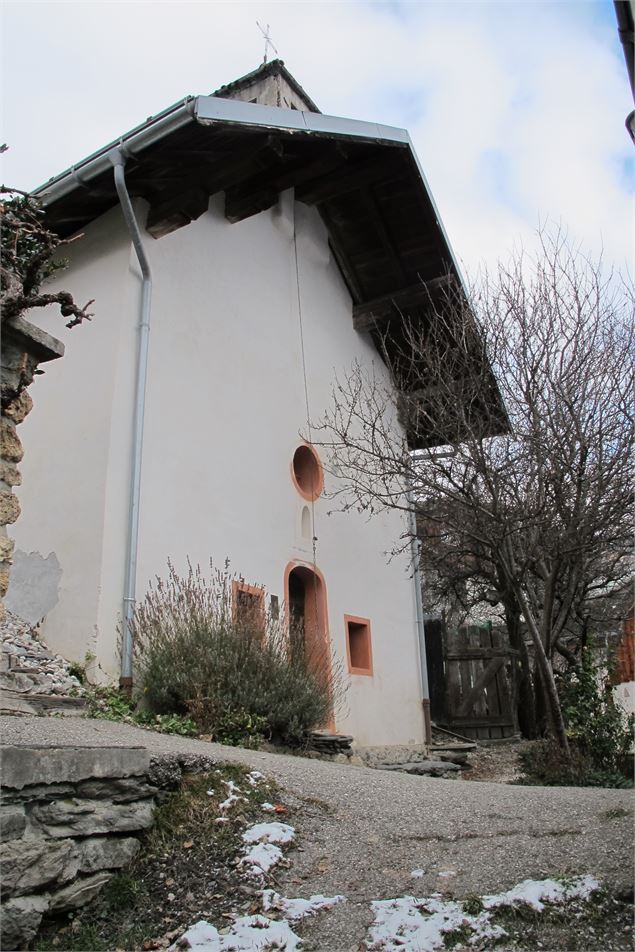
(526,706)
(546,674)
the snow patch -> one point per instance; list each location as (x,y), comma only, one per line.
(233,797)
(255,777)
(535,893)
(295,909)
(259,859)
(418,873)
(247,934)
(261,852)
(420,925)
(269,833)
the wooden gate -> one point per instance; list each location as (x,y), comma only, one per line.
(480,682)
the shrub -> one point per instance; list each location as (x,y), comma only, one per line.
(235,673)
(112,704)
(596,726)
(600,735)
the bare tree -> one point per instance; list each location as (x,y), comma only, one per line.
(508,425)
(28,258)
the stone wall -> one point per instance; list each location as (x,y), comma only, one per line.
(24,347)
(69,818)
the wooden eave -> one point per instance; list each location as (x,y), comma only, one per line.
(383,228)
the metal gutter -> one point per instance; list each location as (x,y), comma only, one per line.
(211,109)
(128,145)
(117,159)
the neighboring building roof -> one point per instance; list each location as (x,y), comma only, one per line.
(365,179)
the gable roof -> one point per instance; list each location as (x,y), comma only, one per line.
(288,91)
(365,179)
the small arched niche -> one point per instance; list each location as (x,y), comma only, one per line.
(305,523)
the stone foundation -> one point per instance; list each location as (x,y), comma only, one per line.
(69,818)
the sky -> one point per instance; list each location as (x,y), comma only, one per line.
(516,109)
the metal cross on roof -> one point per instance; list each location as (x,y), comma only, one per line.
(268,42)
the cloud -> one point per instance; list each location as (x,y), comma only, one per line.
(516,110)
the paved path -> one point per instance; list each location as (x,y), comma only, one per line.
(363,832)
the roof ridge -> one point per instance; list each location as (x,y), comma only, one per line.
(272,68)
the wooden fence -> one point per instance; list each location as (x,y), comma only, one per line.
(472,680)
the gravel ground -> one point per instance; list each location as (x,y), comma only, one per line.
(496,763)
(364,831)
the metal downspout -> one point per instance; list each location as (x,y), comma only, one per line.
(415,547)
(118,160)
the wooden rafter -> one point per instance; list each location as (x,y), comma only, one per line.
(373,315)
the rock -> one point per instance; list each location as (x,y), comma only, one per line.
(356,761)
(453,758)
(7,546)
(19,408)
(15,681)
(12,822)
(34,862)
(165,772)
(10,446)
(40,791)
(107,852)
(75,817)
(78,893)
(197,763)
(25,766)
(121,790)
(9,474)
(4,579)
(433,768)
(21,919)
(13,703)
(9,508)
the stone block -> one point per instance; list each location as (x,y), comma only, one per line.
(107,852)
(10,446)
(40,791)
(9,474)
(4,578)
(21,919)
(123,790)
(25,766)
(11,702)
(7,546)
(74,817)
(78,893)
(19,408)
(9,508)
(17,682)
(12,822)
(33,863)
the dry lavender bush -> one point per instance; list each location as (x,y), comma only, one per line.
(236,674)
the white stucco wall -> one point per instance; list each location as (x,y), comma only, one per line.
(225,409)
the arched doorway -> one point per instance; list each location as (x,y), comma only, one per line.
(305,597)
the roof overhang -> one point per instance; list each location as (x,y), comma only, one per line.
(364,178)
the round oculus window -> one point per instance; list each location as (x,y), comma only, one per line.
(307,473)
